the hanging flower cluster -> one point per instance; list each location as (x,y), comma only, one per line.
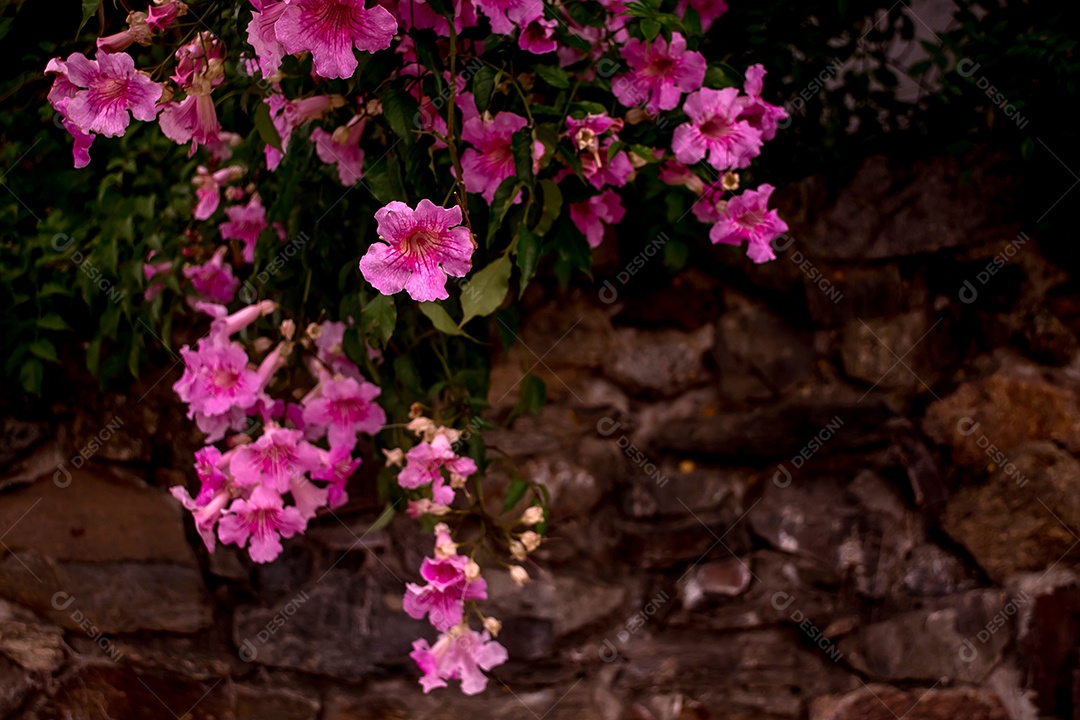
(305,451)
(479,137)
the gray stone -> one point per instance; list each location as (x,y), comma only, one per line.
(957,637)
(892,210)
(658,362)
(884,702)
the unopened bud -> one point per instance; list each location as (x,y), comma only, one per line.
(288,329)
(472,571)
(530,540)
(533,515)
(493,626)
(517,550)
(395,457)
(519,575)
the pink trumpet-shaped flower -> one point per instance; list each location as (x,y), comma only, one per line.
(262,34)
(424,467)
(193,119)
(342,148)
(106,90)
(208,188)
(748,217)
(206,514)
(596,213)
(421,248)
(760,114)
(216,378)
(659,73)
(346,407)
(447,589)
(491,160)
(274,460)
(537,34)
(715,130)
(214,279)
(264,519)
(245,223)
(330,29)
(458,656)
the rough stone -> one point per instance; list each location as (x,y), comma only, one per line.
(342,625)
(891,352)
(670,489)
(1024,518)
(723,578)
(18,437)
(863,292)
(1015,405)
(102,549)
(884,702)
(658,362)
(568,602)
(957,637)
(865,535)
(889,211)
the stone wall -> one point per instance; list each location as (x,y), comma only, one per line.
(841,486)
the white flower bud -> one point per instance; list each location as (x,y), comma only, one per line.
(530,540)
(533,515)
(518,551)
(519,575)
(493,626)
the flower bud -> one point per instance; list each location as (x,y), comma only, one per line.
(493,626)
(472,571)
(519,575)
(395,457)
(517,550)
(532,515)
(530,540)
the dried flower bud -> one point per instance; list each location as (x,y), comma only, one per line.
(519,575)
(530,540)
(517,550)
(457,481)
(451,434)
(288,329)
(421,426)
(533,515)
(694,184)
(314,331)
(262,344)
(493,626)
(416,409)
(395,457)
(730,181)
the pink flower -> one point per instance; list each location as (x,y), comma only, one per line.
(137,32)
(537,34)
(163,13)
(342,149)
(106,90)
(424,467)
(714,129)
(208,463)
(208,188)
(711,204)
(331,28)
(491,160)
(443,598)
(707,10)
(748,218)
(659,73)
(422,247)
(346,407)
(206,515)
(592,137)
(757,112)
(214,279)
(274,460)
(594,214)
(263,518)
(288,115)
(216,378)
(80,151)
(458,658)
(337,466)
(262,35)
(501,12)
(193,119)
(245,223)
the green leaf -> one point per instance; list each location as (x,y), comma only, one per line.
(52,321)
(517,489)
(649,29)
(378,318)
(531,399)
(715,77)
(500,204)
(265,126)
(553,75)
(401,110)
(441,319)
(528,254)
(522,147)
(483,84)
(384,518)
(44,349)
(89,7)
(486,290)
(30,376)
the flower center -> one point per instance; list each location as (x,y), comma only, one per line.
(225,378)
(418,242)
(659,67)
(715,128)
(111,88)
(586,140)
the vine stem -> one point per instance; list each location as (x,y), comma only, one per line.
(451,136)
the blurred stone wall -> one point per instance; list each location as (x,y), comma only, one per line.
(840,486)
